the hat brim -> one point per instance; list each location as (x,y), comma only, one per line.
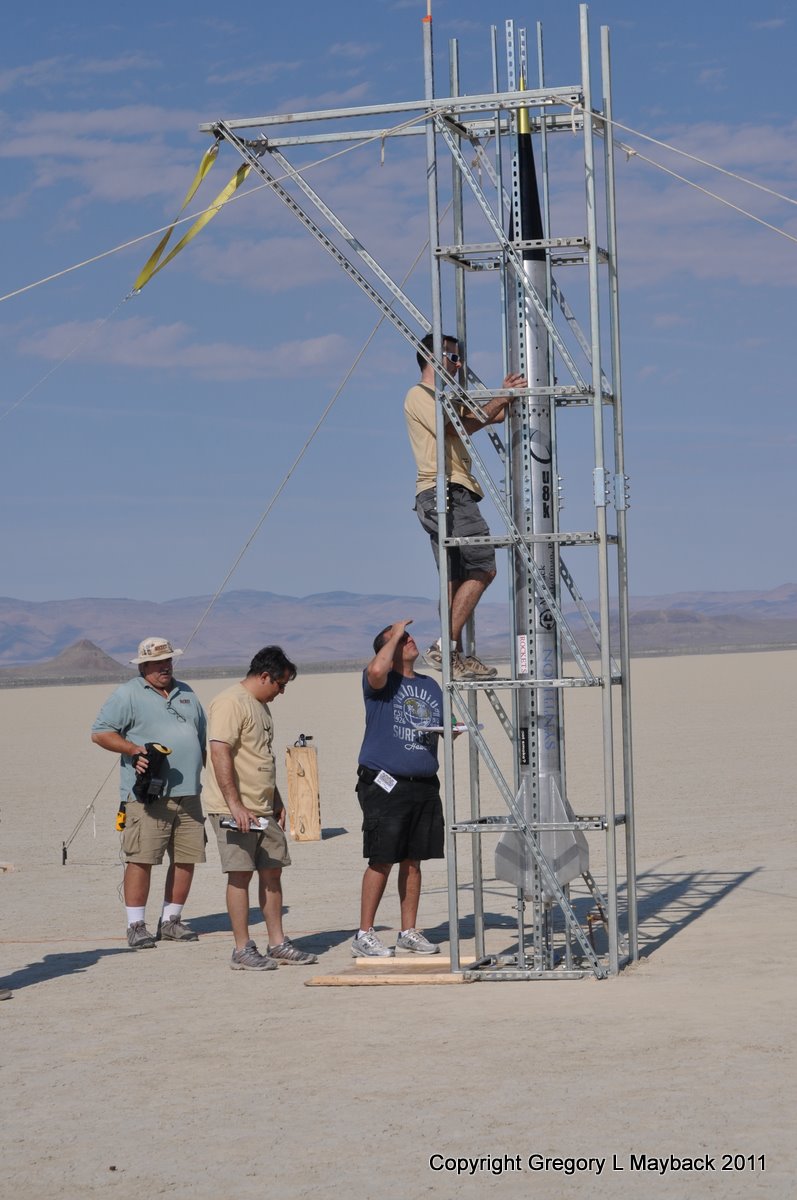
(134,662)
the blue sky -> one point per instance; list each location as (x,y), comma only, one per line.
(140,466)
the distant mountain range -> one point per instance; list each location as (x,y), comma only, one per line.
(336,627)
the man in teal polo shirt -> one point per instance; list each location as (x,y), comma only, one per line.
(155,707)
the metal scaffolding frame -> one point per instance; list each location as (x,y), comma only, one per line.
(576,928)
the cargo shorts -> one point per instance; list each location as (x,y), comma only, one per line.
(173,823)
(463,519)
(254,851)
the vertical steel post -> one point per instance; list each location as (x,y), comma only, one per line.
(620,499)
(600,496)
(471,697)
(442,499)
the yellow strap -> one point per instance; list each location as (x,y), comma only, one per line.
(148,270)
(208,215)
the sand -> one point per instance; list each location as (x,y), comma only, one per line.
(165,1074)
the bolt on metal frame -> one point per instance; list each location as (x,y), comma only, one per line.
(559,944)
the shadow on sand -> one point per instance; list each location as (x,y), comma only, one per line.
(53,966)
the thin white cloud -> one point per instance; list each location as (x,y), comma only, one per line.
(772,23)
(278,264)
(334,99)
(140,344)
(255,74)
(712,78)
(61,70)
(352,50)
(113,154)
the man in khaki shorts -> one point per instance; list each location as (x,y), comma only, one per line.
(154,707)
(241,788)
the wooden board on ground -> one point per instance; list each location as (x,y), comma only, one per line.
(304,800)
(390,972)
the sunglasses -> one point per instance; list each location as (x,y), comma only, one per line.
(452,358)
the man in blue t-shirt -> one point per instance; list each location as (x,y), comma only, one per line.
(398,788)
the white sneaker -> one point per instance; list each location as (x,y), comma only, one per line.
(414,941)
(370,945)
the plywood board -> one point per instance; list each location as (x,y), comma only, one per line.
(304,800)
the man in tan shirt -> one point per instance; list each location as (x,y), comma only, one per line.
(245,808)
(471,568)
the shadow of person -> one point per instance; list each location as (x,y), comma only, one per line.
(54,966)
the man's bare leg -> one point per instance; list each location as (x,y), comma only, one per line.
(136,884)
(238,905)
(374,883)
(409,890)
(271,903)
(178,883)
(465,595)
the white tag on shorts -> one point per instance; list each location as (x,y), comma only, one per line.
(385,781)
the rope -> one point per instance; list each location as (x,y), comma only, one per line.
(707,191)
(631,152)
(703,161)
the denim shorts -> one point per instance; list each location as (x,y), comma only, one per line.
(463,519)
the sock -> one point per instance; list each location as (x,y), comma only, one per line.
(134,915)
(170,911)
(402,932)
(360,932)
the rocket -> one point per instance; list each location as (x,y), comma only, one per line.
(533,498)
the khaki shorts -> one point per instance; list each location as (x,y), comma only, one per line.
(173,823)
(251,851)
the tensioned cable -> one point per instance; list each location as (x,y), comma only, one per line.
(703,161)
(632,152)
(706,191)
(384,133)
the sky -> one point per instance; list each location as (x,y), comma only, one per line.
(140,465)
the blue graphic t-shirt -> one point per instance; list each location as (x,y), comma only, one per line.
(396,719)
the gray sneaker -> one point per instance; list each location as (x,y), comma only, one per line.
(476,669)
(249,959)
(414,941)
(288,953)
(6,993)
(369,945)
(434,656)
(175,930)
(139,937)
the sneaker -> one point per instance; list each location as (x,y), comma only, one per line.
(414,941)
(249,959)
(175,930)
(434,656)
(477,669)
(6,993)
(369,945)
(288,953)
(139,937)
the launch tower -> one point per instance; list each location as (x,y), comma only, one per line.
(568,864)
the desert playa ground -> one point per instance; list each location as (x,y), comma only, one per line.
(163,1073)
